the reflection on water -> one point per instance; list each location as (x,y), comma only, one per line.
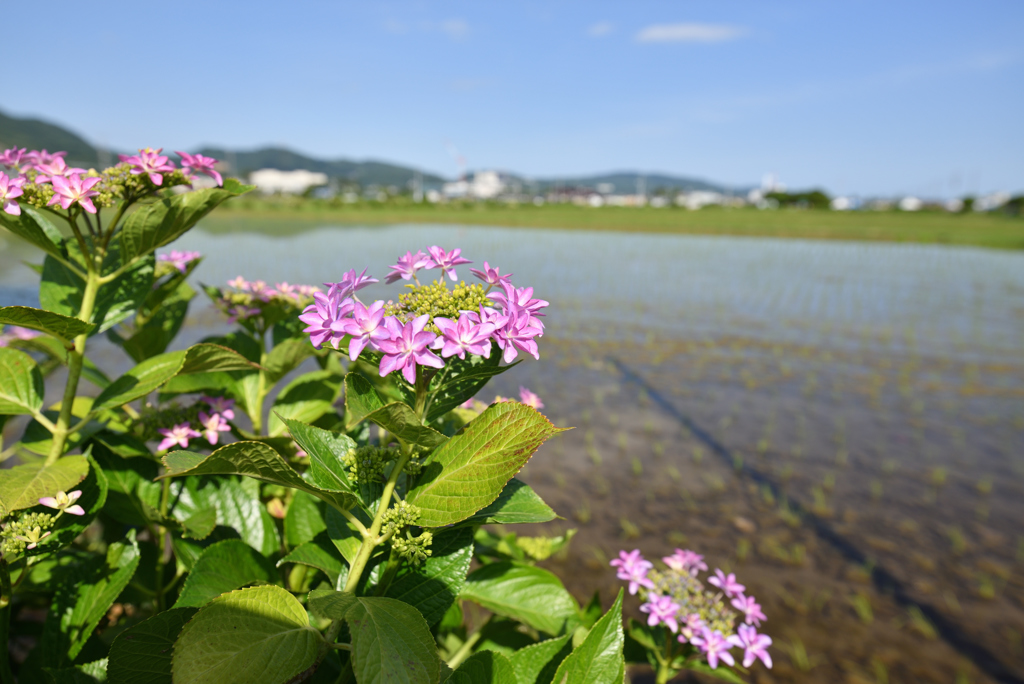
(721,386)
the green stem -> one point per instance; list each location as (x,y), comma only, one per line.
(161,541)
(465,649)
(6,676)
(76,357)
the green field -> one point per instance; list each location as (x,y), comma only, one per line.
(982,230)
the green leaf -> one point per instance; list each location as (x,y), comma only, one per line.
(329,604)
(599,658)
(64,327)
(517,503)
(69,527)
(132,496)
(239,507)
(158,330)
(223,567)
(526,593)
(325,449)
(21,383)
(33,226)
(344,537)
(142,653)
(141,380)
(391,643)
(82,601)
(485,667)
(433,586)
(22,486)
(200,524)
(363,403)
(463,380)
(252,459)
(469,471)
(304,520)
(305,399)
(61,290)
(208,358)
(286,357)
(538,663)
(319,554)
(154,225)
(259,634)
(87,673)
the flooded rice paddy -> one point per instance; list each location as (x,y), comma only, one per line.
(841,424)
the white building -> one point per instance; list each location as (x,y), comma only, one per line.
(990,202)
(696,199)
(485,185)
(910,203)
(271,181)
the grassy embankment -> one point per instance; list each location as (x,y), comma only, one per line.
(982,230)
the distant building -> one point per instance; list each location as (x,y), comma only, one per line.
(696,199)
(272,181)
(910,203)
(990,202)
(485,185)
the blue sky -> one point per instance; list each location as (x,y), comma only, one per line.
(857,97)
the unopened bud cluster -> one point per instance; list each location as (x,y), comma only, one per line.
(414,550)
(25,532)
(366,463)
(435,299)
(402,514)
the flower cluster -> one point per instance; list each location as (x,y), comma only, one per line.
(25,533)
(677,599)
(251,301)
(178,260)
(15,332)
(213,423)
(430,323)
(44,179)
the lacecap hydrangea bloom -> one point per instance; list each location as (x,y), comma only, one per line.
(430,324)
(698,616)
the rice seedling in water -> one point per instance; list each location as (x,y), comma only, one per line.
(921,625)
(880,670)
(742,549)
(629,530)
(638,467)
(583,513)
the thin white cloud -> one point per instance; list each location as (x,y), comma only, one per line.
(689,33)
(454,28)
(601,29)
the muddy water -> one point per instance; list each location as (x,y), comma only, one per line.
(840,424)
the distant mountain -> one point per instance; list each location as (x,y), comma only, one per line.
(364,173)
(35,134)
(628,182)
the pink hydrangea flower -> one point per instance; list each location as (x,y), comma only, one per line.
(64,501)
(350,284)
(754,646)
(714,646)
(517,334)
(632,568)
(197,163)
(459,337)
(406,347)
(407,266)
(529,398)
(491,276)
(447,261)
(727,583)
(221,405)
(9,189)
(326,318)
(56,168)
(13,157)
(37,157)
(364,327)
(213,424)
(176,436)
(750,608)
(16,332)
(684,560)
(661,610)
(515,299)
(149,162)
(179,260)
(241,313)
(68,191)
(692,626)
